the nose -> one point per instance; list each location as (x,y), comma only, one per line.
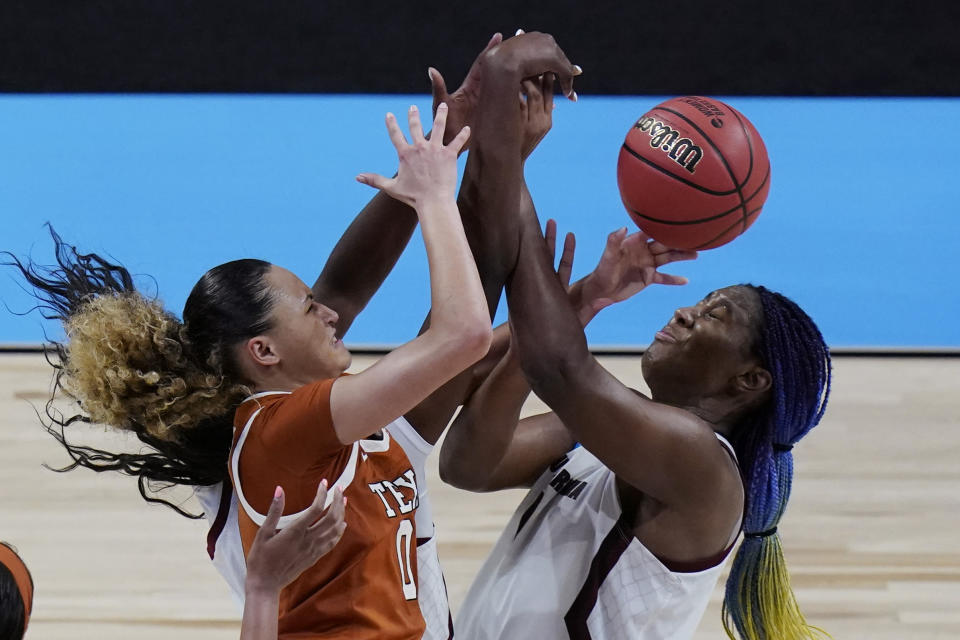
(329,315)
(683,316)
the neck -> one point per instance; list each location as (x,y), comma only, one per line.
(716,412)
(280,381)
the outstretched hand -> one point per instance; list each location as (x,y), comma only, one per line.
(277,557)
(628,265)
(428,168)
(463,101)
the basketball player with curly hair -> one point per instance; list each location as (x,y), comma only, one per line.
(251,384)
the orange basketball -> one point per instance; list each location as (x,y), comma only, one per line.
(693,173)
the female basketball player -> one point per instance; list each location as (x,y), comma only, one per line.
(624,537)
(283,430)
(252,328)
(16,594)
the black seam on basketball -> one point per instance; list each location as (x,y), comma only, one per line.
(707,219)
(746,134)
(675,176)
(723,159)
(727,230)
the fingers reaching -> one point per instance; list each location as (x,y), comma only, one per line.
(396,134)
(269,526)
(315,510)
(495,39)
(439,125)
(532,90)
(460,141)
(546,89)
(566,259)
(416,127)
(666,278)
(438,87)
(550,235)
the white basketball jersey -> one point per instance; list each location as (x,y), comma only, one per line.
(568,566)
(226,551)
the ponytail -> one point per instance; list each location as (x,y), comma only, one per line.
(759,603)
(130,364)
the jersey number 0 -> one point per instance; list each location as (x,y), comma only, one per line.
(404,536)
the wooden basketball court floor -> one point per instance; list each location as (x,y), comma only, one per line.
(872,532)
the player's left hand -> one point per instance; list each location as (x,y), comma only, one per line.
(463,101)
(536,111)
(629,264)
(277,557)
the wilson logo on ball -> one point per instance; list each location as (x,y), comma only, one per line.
(680,150)
(725,184)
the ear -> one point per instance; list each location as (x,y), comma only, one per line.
(756,379)
(260,350)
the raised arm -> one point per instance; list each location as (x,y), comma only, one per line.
(374,241)
(486,448)
(505,129)
(364,257)
(664,451)
(460,332)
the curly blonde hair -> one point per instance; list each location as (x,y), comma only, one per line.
(132,365)
(126,366)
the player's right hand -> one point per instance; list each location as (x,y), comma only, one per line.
(428,168)
(530,55)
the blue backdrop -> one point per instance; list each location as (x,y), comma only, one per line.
(861,225)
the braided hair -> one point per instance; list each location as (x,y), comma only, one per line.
(130,364)
(759,603)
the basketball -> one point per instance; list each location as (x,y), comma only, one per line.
(693,173)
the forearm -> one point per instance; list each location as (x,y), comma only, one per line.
(260,614)
(482,433)
(457,301)
(363,257)
(490,188)
(549,335)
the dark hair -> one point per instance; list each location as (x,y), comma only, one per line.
(12,618)
(134,366)
(759,603)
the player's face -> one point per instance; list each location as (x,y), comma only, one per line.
(703,347)
(304,331)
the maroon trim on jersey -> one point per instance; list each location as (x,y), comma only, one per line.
(529,512)
(693,566)
(603,562)
(226,492)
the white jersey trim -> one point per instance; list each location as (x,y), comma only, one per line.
(344,481)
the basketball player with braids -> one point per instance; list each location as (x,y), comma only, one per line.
(625,536)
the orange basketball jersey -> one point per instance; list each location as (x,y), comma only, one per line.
(366,586)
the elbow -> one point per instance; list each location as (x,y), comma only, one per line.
(474,341)
(453,473)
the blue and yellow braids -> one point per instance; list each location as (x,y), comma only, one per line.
(759,603)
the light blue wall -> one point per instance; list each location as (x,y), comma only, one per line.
(861,226)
